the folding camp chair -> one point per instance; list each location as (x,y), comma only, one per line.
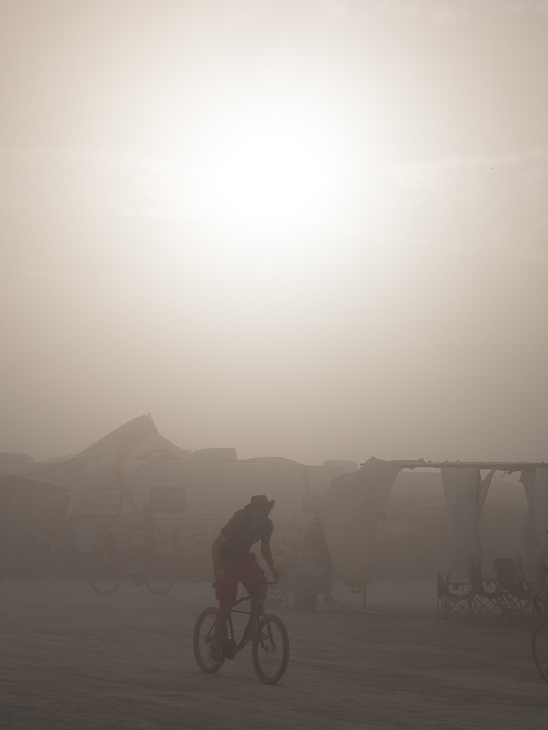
(486,598)
(456,602)
(520,597)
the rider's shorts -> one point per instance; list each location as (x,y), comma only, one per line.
(247,570)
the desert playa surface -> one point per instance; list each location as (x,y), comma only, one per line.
(74,660)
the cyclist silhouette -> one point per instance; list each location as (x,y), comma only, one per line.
(233,562)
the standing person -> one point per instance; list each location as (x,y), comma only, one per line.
(316,544)
(233,562)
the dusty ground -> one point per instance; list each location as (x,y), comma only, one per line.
(72,659)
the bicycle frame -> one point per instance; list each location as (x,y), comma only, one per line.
(268,635)
(254,615)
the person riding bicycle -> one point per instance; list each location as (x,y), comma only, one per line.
(233,561)
(148,528)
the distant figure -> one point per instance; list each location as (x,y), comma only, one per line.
(315,542)
(233,562)
(148,528)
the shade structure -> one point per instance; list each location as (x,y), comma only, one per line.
(350,511)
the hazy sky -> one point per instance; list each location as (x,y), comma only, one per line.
(305,228)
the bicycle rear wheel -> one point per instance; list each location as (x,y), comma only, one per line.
(106,576)
(540,649)
(270,649)
(202,640)
(159,575)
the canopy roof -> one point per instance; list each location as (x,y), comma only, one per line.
(498,465)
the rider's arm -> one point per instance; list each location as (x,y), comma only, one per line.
(219,541)
(266,552)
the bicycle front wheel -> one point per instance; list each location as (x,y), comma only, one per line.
(106,576)
(270,649)
(203,639)
(159,575)
(540,649)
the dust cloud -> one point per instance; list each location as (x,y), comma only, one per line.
(300,236)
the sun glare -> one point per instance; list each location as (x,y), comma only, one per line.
(278,171)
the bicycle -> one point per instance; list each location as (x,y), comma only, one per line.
(267,633)
(540,649)
(157,572)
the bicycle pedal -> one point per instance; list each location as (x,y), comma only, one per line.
(230,648)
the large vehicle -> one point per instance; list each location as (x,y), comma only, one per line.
(192,493)
(197,494)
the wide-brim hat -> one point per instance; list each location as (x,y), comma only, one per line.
(261,500)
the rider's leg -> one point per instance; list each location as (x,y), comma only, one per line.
(254,580)
(261,593)
(147,553)
(220,623)
(225,592)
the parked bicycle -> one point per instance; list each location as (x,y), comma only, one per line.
(267,633)
(157,572)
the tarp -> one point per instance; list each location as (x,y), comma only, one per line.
(465,493)
(349,512)
(136,439)
(61,473)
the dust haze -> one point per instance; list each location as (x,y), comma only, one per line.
(248,246)
(391,306)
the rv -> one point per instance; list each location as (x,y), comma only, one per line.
(196,495)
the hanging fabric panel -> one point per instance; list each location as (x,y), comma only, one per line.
(526,535)
(465,493)
(349,512)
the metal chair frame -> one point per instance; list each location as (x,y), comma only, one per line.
(453,603)
(487,600)
(519,597)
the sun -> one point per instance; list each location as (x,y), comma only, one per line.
(275,169)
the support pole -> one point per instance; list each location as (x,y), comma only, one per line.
(363,609)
